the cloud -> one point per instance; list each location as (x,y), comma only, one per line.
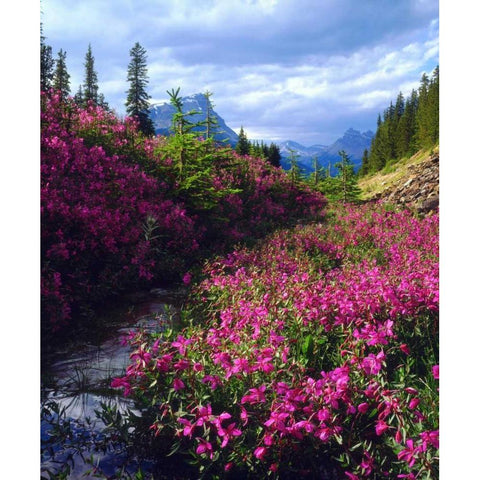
(304,69)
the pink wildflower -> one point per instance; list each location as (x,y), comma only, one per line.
(408,454)
(373,363)
(429,438)
(413,403)
(352,476)
(204,447)
(178,384)
(122,382)
(260,452)
(188,429)
(363,407)
(227,433)
(381,427)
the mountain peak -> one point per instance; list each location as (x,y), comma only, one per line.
(162,114)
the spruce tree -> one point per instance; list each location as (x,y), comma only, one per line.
(295,172)
(349,189)
(46,64)
(406,128)
(137,102)
(102,102)
(422,131)
(397,115)
(78,97)
(90,85)
(211,121)
(365,166)
(61,78)
(243,145)
(434,107)
(274,155)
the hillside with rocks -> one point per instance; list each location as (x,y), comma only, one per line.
(413,183)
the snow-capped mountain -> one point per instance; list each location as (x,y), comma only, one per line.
(162,114)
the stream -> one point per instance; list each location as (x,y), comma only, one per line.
(75,379)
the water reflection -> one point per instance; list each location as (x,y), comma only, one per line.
(77,379)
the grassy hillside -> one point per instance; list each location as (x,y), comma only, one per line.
(381,181)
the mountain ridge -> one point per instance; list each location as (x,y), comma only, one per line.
(353,142)
(162,114)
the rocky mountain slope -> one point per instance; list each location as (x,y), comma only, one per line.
(414,183)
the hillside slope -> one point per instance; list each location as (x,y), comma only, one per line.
(412,182)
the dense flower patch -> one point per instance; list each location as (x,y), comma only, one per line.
(119,210)
(313,355)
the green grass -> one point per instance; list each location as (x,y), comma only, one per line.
(393,172)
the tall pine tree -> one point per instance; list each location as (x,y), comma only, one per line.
(274,155)
(243,145)
(61,78)
(78,97)
(137,102)
(364,167)
(434,107)
(90,84)
(422,131)
(348,191)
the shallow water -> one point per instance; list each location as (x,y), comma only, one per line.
(76,378)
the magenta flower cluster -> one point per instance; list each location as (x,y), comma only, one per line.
(114,214)
(320,343)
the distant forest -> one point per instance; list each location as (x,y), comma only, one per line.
(406,127)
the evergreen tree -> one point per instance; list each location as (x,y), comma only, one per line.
(243,145)
(265,150)
(365,164)
(434,107)
(137,102)
(406,128)
(349,190)
(422,133)
(318,172)
(397,115)
(90,85)
(78,97)
(273,155)
(211,121)
(379,148)
(183,139)
(102,102)
(61,78)
(46,64)
(295,171)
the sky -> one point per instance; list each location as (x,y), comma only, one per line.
(302,70)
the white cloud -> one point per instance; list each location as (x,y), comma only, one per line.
(298,66)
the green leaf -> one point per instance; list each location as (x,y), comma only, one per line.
(307,346)
(175,448)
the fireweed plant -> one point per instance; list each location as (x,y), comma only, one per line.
(118,212)
(315,351)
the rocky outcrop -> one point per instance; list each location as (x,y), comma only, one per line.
(417,189)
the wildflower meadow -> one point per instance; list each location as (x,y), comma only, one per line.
(308,344)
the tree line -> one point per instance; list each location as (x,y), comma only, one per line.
(406,127)
(54,75)
(271,152)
